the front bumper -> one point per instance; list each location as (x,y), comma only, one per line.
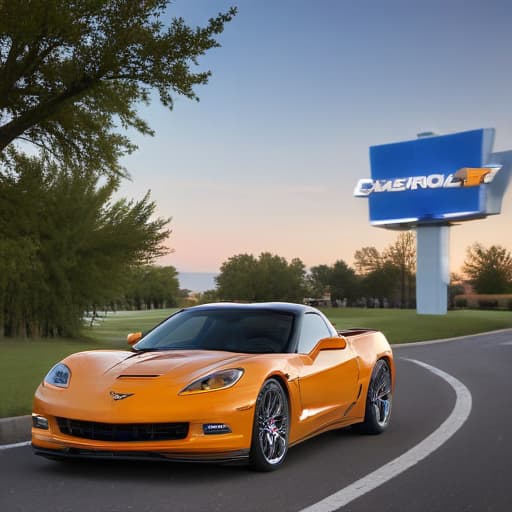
(233,409)
(196,444)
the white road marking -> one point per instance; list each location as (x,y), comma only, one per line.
(15,445)
(446,340)
(454,422)
(506,343)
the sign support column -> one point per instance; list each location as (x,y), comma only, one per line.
(432,269)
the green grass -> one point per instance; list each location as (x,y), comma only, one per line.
(116,326)
(23,364)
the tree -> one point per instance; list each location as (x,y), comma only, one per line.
(66,245)
(339,280)
(455,287)
(489,270)
(237,278)
(390,274)
(151,287)
(402,254)
(72,72)
(367,260)
(208,296)
(267,278)
(319,280)
(383,283)
(343,282)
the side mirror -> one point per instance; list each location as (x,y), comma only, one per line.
(328,344)
(133,337)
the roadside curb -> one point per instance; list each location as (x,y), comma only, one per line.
(15,430)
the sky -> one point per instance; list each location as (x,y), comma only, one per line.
(267,160)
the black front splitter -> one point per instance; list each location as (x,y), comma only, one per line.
(77,453)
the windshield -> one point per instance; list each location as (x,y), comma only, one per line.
(232,330)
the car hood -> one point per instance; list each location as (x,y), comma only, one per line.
(175,366)
(152,381)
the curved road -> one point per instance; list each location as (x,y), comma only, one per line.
(470,472)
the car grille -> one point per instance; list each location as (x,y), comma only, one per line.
(123,432)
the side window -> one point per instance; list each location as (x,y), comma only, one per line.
(313,329)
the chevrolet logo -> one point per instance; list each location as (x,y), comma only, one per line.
(120,396)
(474,176)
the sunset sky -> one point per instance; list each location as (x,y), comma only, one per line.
(268,159)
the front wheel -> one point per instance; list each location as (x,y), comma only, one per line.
(270,430)
(378,401)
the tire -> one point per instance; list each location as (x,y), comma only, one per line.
(271,426)
(378,400)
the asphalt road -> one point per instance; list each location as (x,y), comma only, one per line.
(472,471)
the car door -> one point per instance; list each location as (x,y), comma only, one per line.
(328,382)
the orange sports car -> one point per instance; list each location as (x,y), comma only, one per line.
(218,382)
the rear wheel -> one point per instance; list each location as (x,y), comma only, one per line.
(270,430)
(378,400)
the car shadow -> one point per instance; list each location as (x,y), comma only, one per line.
(149,471)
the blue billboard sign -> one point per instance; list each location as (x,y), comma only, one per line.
(430,180)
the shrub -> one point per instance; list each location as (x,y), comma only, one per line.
(487,304)
(461,303)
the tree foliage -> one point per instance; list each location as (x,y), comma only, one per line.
(151,287)
(72,75)
(67,244)
(73,72)
(344,282)
(266,278)
(402,255)
(389,275)
(339,280)
(455,287)
(489,270)
(366,260)
(383,283)
(319,280)
(208,296)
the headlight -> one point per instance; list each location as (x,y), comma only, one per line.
(217,380)
(59,376)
